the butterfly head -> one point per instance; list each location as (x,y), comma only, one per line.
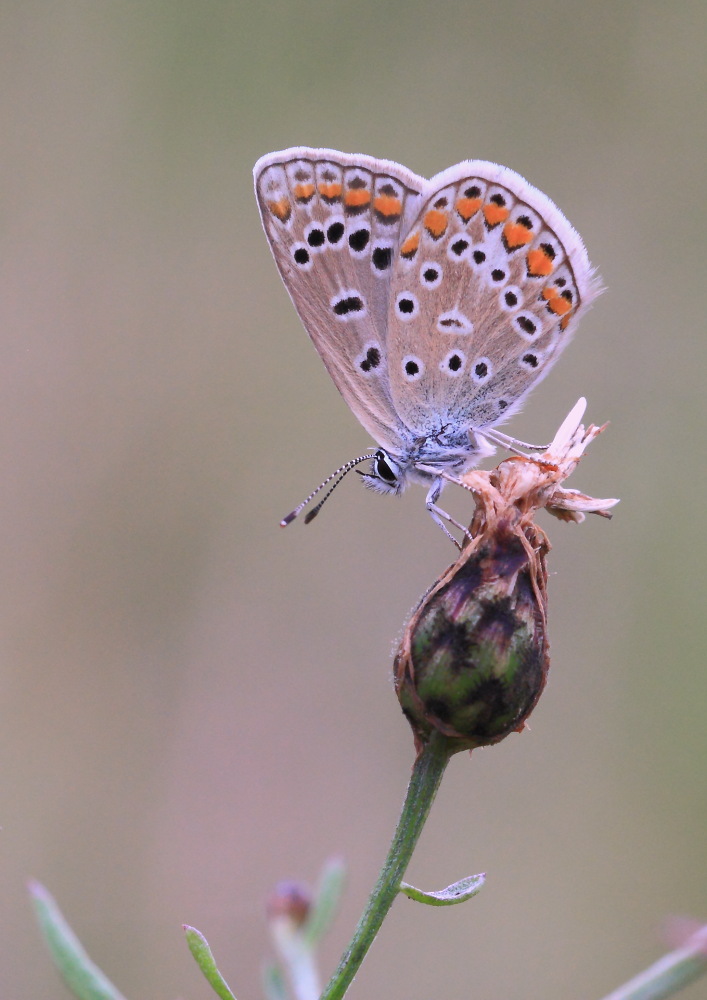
(387,475)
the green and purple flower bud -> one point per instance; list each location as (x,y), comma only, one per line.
(474,657)
(290,903)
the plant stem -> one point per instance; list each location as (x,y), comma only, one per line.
(669,974)
(425,780)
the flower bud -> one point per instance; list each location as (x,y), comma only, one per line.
(290,902)
(474,657)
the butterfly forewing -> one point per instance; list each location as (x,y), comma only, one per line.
(487,286)
(334,224)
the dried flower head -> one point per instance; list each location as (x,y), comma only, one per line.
(474,657)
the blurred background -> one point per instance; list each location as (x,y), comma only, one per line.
(196,704)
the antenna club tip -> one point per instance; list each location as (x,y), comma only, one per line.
(338,476)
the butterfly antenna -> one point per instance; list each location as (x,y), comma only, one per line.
(338,476)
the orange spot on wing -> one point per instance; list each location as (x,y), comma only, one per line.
(494,213)
(539,262)
(303,192)
(330,191)
(559,305)
(281,209)
(564,322)
(387,205)
(436,223)
(516,235)
(357,197)
(466,207)
(409,247)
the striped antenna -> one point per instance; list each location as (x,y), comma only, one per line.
(338,475)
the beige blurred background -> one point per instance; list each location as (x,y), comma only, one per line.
(196,704)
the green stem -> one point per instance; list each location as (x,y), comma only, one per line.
(425,780)
(669,974)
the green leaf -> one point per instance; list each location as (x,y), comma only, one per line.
(81,975)
(326,901)
(669,974)
(457,892)
(199,947)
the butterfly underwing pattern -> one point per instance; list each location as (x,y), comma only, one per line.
(435,305)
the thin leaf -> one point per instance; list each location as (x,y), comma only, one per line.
(326,901)
(81,975)
(199,947)
(457,892)
(669,974)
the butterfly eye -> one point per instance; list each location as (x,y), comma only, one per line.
(385,469)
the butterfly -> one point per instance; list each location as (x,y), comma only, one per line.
(435,305)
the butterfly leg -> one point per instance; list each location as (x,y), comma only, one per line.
(439,516)
(511,443)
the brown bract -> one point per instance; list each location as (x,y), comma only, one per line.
(519,486)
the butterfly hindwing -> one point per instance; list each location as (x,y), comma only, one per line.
(334,222)
(487,287)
